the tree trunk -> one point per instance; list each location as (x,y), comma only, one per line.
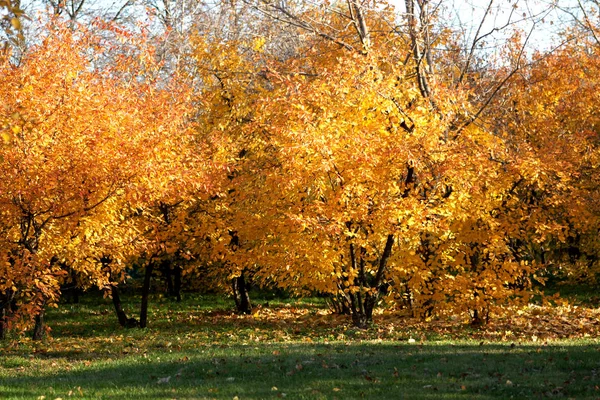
(362,319)
(167,272)
(145,294)
(4,311)
(121,315)
(177,283)
(116,298)
(39,328)
(361,309)
(172,276)
(2,322)
(363,301)
(338,304)
(69,290)
(8,306)
(75,287)
(241,295)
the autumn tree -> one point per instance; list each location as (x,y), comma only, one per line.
(82,133)
(555,124)
(366,168)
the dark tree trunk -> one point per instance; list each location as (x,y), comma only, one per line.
(167,272)
(177,283)
(4,311)
(338,304)
(363,319)
(364,301)
(480,317)
(8,306)
(172,276)
(145,294)
(241,295)
(238,284)
(39,327)
(169,279)
(75,294)
(116,298)
(3,327)
(121,315)
(70,290)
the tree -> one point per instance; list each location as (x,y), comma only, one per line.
(555,124)
(82,134)
(368,168)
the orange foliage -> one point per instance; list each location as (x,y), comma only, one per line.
(88,126)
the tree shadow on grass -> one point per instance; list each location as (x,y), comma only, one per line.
(318,371)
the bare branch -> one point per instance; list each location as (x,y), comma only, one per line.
(360,23)
(270,10)
(518,67)
(476,39)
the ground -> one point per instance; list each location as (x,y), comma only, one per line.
(199,349)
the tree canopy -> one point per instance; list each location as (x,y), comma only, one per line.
(375,156)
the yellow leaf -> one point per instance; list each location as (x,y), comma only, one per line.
(258,44)
(16,23)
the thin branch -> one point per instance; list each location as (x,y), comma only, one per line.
(360,23)
(123,7)
(487,102)
(587,22)
(387,252)
(476,39)
(294,20)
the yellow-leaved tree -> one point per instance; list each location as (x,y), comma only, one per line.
(91,127)
(357,174)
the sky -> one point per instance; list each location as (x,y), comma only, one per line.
(540,17)
(535,16)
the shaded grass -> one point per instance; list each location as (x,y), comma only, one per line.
(580,294)
(312,371)
(199,349)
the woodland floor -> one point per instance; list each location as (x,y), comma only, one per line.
(295,349)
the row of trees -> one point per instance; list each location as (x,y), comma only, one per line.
(348,149)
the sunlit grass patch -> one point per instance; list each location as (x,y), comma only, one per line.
(298,350)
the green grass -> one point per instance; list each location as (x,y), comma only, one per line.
(198,349)
(578,293)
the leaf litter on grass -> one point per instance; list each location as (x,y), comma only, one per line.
(286,346)
(536,324)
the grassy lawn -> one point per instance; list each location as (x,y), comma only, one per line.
(198,349)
